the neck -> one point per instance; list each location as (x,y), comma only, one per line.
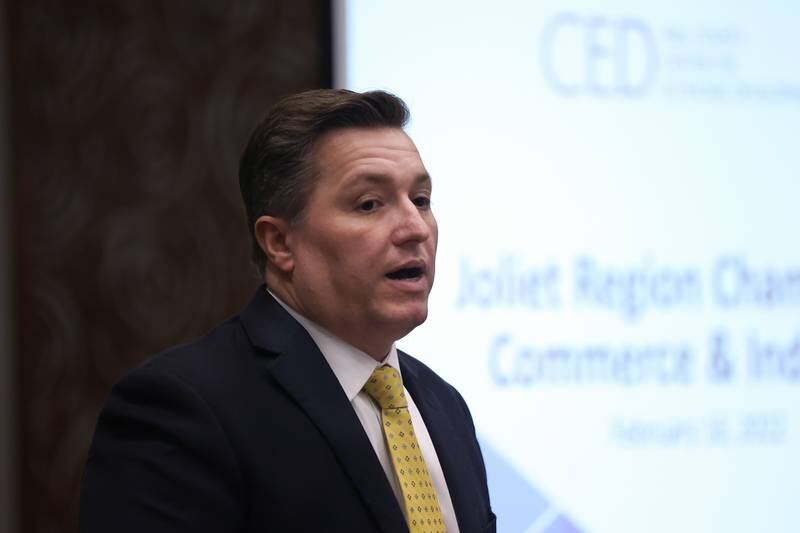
(376,348)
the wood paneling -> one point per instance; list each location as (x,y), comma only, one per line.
(128,119)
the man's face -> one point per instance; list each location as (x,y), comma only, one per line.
(365,246)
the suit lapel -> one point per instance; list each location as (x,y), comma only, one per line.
(303,373)
(455,464)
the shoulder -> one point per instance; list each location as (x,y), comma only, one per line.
(191,371)
(420,370)
(425,380)
(160,437)
(231,350)
(209,381)
(220,356)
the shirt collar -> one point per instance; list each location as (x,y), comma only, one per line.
(351,366)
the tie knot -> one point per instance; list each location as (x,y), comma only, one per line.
(386,388)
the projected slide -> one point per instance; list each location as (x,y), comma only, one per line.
(618,278)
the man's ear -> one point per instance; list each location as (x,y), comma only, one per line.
(272,236)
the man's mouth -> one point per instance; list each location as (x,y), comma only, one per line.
(406,273)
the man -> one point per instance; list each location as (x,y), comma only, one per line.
(300,414)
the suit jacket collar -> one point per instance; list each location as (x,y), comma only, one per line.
(443,434)
(294,361)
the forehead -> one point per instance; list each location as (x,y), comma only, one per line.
(352,152)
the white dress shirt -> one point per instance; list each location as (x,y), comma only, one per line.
(353,368)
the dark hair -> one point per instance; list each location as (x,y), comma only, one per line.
(276,173)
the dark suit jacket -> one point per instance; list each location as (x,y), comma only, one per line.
(249,430)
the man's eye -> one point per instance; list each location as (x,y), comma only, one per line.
(368,205)
(422,201)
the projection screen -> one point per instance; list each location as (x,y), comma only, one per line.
(617,186)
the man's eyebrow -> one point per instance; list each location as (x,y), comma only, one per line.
(421,179)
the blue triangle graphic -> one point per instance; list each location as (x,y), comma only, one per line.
(517,503)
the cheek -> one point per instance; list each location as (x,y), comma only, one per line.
(314,263)
(434,235)
(346,258)
(334,261)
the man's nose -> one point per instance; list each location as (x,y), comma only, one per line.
(412,224)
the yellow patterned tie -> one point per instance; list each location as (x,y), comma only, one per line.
(419,496)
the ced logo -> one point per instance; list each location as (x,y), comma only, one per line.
(598,56)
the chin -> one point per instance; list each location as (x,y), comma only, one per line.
(406,320)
